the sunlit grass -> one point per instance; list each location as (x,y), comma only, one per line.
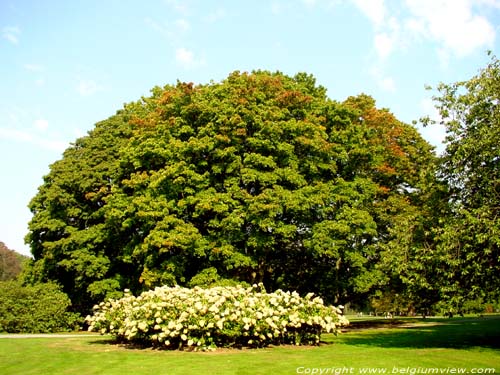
(471,343)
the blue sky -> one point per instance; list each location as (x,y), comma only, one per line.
(64,65)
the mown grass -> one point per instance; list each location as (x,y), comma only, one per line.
(469,343)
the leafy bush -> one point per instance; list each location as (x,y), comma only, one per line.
(175,317)
(40,308)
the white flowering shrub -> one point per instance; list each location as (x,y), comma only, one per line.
(178,318)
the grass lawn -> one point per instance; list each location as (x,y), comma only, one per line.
(417,347)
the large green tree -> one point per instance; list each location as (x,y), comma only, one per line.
(258,178)
(469,241)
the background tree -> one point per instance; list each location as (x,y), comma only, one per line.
(405,210)
(11,263)
(258,178)
(470,239)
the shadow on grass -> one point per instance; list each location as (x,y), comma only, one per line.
(461,333)
(122,344)
(456,333)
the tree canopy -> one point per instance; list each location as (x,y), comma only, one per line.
(469,240)
(258,178)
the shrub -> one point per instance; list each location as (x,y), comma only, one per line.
(175,317)
(40,308)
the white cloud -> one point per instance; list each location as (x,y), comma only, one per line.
(184,56)
(216,15)
(386,83)
(383,81)
(385,41)
(454,28)
(15,135)
(375,10)
(491,3)
(13,116)
(160,29)
(276,8)
(178,5)
(34,68)
(309,3)
(172,31)
(451,23)
(182,25)
(41,124)
(11,33)
(23,136)
(78,133)
(87,87)
(187,58)
(384,45)
(23,125)
(444,58)
(415,26)
(457,27)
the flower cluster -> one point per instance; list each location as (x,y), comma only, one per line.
(175,317)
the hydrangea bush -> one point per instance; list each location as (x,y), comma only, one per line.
(179,318)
